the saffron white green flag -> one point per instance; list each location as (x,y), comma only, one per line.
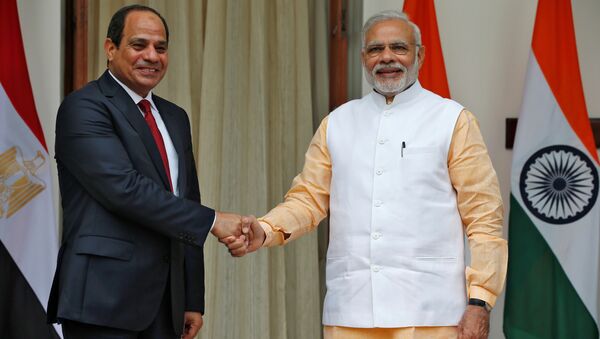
(552,287)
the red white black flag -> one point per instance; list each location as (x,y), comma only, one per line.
(28,234)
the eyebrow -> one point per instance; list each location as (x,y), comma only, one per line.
(379,43)
(145,41)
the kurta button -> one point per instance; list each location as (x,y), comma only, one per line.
(379,172)
(376,235)
(381,141)
(386,113)
(376,268)
(378,203)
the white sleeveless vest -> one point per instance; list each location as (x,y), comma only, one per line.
(395,256)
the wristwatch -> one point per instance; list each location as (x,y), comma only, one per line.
(480,303)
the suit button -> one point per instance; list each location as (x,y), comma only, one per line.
(165,258)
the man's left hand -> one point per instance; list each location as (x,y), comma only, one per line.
(192,324)
(475,323)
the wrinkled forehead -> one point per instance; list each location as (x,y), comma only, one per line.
(390,31)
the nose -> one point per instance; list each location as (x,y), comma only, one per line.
(151,54)
(386,55)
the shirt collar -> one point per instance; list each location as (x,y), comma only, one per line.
(403,97)
(134,96)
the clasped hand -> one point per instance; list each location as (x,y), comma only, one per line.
(241,234)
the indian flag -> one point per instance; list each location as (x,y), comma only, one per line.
(432,75)
(552,287)
(28,235)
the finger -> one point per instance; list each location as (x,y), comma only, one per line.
(240,242)
(237,243)
(240,252)
(246,221)
(227,240)
(193,330)
(250,234)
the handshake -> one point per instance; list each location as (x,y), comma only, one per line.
(241,234)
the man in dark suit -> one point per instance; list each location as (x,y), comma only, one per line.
(131,262)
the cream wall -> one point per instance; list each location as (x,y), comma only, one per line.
(486,45)
(41,29)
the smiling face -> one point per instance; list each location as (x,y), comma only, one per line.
(391,60)
(140,62)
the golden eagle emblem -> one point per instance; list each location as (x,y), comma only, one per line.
(18,180)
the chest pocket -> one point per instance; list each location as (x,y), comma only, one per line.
(423,170)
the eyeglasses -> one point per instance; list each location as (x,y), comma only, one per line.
(398,48)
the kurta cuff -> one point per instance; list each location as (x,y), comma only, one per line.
(268,233)
(483,294)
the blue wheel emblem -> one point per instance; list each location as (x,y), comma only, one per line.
(559,184)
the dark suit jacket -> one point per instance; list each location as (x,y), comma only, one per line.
(124,233)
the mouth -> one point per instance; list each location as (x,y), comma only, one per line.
(389,72)
(148,70)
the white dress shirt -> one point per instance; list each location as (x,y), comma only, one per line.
(171,152)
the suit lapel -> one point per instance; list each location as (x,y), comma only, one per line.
(122,101)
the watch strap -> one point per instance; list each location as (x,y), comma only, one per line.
(480,303)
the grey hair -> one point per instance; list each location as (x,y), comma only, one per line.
(390,15)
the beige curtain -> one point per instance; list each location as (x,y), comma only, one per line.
(253,77)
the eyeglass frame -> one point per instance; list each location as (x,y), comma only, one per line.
(390,46)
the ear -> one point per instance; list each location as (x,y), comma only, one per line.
(109,49)
(421,55)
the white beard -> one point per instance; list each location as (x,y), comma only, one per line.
(392,86)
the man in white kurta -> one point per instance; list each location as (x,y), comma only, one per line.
(405,175)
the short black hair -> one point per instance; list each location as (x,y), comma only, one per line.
(117,22)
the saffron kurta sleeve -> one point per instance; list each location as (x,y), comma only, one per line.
(480,207)
(307,201)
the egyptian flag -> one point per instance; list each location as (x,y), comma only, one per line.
(552,287)
(28,234)
(432,75)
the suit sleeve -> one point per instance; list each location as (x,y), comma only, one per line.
(90,146)
(194,256)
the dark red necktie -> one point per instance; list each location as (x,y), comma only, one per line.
(145,106)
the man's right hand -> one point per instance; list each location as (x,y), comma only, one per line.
(229,224)
(256,238)
(232,230)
